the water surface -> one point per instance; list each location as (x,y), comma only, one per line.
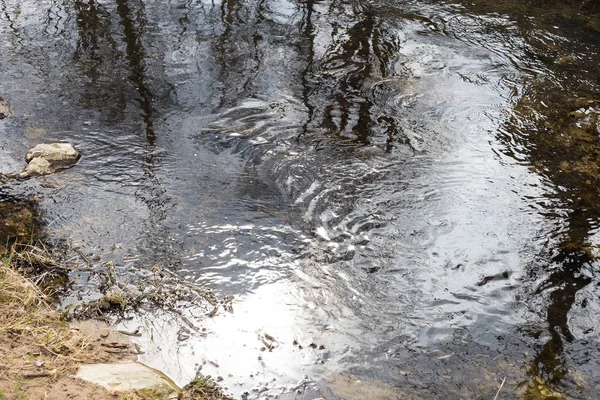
(399,193)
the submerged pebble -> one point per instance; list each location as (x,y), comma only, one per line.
(4,109)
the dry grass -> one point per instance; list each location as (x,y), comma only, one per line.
(26,317)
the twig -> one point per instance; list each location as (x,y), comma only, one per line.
(41,374)
(187,321)
(49,351)
(138,350)
(119,351)
(132,333)
(500,388)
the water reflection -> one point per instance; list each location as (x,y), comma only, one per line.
(379,179)
(133,31)
(554,147)
(563,285)
(556,134)
(347,75)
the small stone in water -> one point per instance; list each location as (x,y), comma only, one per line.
(4,109)
(47,159)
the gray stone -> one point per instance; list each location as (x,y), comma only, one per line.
(47,159)
(128,376)
(4,109)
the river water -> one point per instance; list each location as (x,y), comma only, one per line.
(402,194)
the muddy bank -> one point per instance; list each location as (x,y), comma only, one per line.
(40,351)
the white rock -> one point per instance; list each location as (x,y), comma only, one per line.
(53,152)
(47,159)
(39,166)
(128,376)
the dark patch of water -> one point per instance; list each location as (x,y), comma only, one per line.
(20,222)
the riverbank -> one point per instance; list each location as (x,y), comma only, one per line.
(41,352)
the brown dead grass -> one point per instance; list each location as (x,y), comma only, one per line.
(26,316)
(40,351)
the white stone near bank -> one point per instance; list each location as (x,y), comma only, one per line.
(128,376)
(53,152)
(47,159)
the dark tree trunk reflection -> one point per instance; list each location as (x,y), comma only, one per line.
(133,30)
